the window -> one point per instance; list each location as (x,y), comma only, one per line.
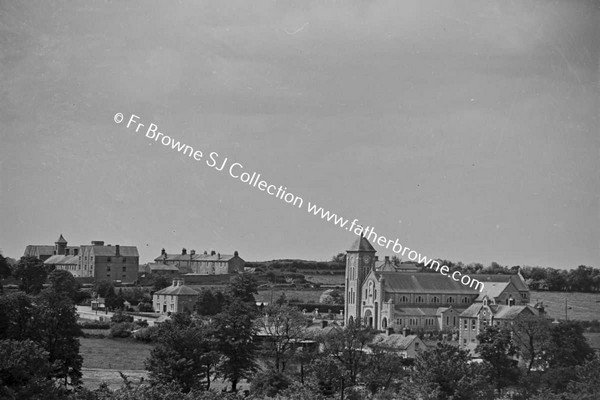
(108,259)
(450,299)
(108,269)
(404,299)
(465,300)
(124,259)
(124,269)
(108,275)
(398,321)
(464,341)
(419,299)
(435,299)
(473,324)
(465,324)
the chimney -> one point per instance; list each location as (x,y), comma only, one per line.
(235,253)
(405,332)
(66,252)
(75,252)
(205,253)
(175,282)
(387,259)
(389,331)
(193,252)
(212,252)
(218,256)
(163,252)
(183,251)
(376,258)
(117,250)
(323,324)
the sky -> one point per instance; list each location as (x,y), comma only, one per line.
(468,130)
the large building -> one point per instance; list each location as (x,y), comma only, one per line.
(98,261)
(386,296)
(203,263)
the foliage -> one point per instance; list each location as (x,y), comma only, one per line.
(120,316)
(121,329)
(209,303)
(24,368)
(332,296)
(184,353)
(63,282)
(5,271)
(234,330)
(145,307)
(348,347)
(496,348)
(243,287)
(160,282)
(284,325)
(269,383)
(529,335)
(445,373)
(32,273)
(384,371)
(146,334)
(93,325)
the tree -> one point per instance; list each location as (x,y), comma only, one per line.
(496,348)
(529,334)
(184,353)
(160,282)
(24,369)
(445,373)
(234,331)
(4,271)
(244,287)
(586,385)
(384,371)
(331,296)
(348,347)
(64,282)
(284,326)
(209,303)
(32,273)
(339,258)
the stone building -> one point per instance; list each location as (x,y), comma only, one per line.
(175,298)
(204,263)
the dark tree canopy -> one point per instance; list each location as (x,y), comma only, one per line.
(32,273)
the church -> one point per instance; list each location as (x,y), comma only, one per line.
(384,295)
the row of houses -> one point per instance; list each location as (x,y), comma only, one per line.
(100,261)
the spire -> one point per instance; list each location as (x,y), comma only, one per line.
(61,240)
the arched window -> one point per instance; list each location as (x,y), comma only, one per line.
(435,299)
(419,299)
(384,323)
(450,299)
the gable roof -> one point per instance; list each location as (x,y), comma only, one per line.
(124,251)
(512,312)
(422,282)
(514,278)
(361,244)
(493,290)
(177,290)
(194,257)
(61,259)
(472,311)
(393,341)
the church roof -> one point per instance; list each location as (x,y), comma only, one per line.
(515,279)
(361,244)
(61,239)
(424,282)
(492,290)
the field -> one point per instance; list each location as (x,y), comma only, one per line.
(103,359)
(581,306)
(304,295)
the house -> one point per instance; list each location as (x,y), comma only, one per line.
(475,319)
(114,263)
(203,264)
(383,295)
(175,298)
(406,346)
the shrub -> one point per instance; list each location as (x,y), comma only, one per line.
(145,307)
(120,317)
(120,330)
(145,334)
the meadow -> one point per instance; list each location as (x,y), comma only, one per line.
(580,306)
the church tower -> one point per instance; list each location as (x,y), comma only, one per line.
(60,246)
(360,260)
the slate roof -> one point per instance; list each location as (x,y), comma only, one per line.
(512,312)
(515,279)
(61,239)
(493,290)
(361,244)
(35,250)
(124,251)
(406,282)
(162,267)
(194,257)
(472,311)
(400,311)
(60,259)
(177,290)
(393,341)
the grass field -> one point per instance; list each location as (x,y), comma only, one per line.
(116,354)
(304,295)
(582,306)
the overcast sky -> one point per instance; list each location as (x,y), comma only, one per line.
(467,129)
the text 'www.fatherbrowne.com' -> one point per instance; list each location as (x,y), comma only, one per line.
(237,171)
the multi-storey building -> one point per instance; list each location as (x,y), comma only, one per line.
(203,264)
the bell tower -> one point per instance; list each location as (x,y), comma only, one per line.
(360,260)
(60,246)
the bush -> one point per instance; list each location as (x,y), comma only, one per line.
(145,307)
(93,325)
(145,334)
(120,317)
(269,383)
(120,330)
